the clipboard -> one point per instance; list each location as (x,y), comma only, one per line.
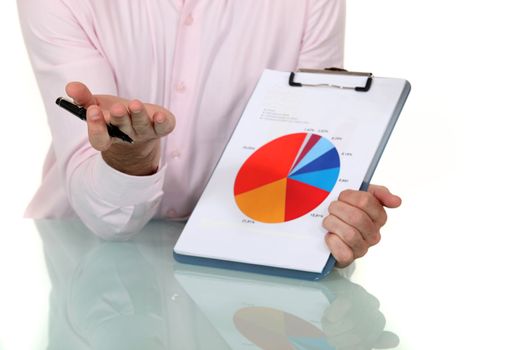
(327,108)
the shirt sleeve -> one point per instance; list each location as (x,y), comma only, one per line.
(112,204)
(324,35)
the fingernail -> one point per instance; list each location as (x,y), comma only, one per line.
(94,114)
(160,119)
(135,106)
(135,110)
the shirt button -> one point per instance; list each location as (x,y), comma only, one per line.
(172,213)
(189,20)
(181,87)
(175,154)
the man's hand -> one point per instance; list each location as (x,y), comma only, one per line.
(144,123)
(354,222)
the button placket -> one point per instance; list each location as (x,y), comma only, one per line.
(175,154)
(185,70)
(189,20)
(179,4)
(180,87)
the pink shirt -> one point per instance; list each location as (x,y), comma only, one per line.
(198,58)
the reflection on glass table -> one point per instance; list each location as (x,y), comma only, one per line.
(133,295)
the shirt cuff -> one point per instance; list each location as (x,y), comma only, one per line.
(122,189)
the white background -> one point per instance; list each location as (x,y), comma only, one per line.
(452,253)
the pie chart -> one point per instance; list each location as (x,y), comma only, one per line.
(287,178)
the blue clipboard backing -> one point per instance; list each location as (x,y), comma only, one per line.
(267,270)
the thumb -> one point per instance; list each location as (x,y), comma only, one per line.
(384,196)
(80,94)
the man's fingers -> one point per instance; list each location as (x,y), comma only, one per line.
(341,252)
(163,122)
(140,120)
(80,94)
(384,196)
(97,129)
(350,236)
(354,222)
(367,203)
(357,218)
(119,117)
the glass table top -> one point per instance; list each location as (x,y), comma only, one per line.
(67,289)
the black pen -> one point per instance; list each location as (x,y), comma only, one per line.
(80,112)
